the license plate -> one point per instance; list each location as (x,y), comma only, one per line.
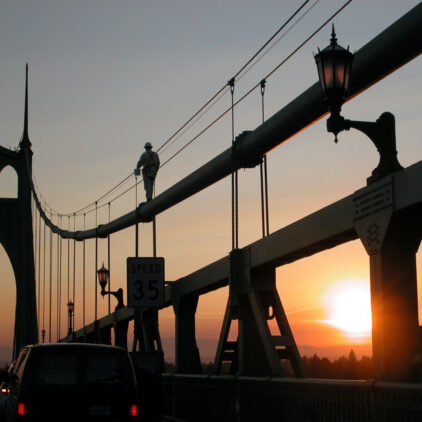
(99,410)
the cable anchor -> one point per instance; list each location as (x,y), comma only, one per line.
(262,84)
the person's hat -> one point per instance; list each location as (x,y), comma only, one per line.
(148,145)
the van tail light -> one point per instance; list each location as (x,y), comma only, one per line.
(21,409)
(134,410)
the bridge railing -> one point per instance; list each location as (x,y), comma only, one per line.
(234,398)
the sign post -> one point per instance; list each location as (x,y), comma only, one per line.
(145,282)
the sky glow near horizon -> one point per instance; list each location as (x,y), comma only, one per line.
(106,77)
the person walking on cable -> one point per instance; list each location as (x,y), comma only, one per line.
(150,164)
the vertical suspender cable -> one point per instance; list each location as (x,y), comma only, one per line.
(36,261)
(266,195)
(154,238)
(154,230)
(108,255)
(39,270)
(135,339)
(137,224)
(58,285)
(68,261)
(33,209)
(263,174)
(261,168)
(34,231)
(96,260)
(74,271)
(235,214)
(60,280)
(50,313)
(43,289)
(83,278)
(32,213)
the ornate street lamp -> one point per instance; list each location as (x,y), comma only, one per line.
(103,278)
(334,65)
(70,308)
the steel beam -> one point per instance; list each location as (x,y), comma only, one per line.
(324,229)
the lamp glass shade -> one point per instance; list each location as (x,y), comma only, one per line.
(103,274)
(334,65)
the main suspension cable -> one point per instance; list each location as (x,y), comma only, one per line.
(235,103)
(299,19)
(198,112)
(235,75)
(257,85)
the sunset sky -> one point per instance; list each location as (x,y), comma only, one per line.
(105,77)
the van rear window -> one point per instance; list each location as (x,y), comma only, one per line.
(71,367)
(56,369)
(103,368)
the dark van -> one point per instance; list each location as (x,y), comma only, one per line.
(72,382)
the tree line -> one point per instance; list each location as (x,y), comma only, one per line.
(342,368)
(315,367)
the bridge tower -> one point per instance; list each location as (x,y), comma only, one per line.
(17,238)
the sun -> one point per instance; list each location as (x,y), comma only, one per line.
(348,305)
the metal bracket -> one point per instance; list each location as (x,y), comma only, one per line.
(382,133)
(374,207)
(239,160)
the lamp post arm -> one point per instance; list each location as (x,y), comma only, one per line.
(382,133)
(118,295)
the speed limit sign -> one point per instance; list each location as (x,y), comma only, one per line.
(145,282)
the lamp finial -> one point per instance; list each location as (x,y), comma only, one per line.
(333,36)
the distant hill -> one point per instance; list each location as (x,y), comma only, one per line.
(208,347)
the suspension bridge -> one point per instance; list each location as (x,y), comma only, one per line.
(384,215)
